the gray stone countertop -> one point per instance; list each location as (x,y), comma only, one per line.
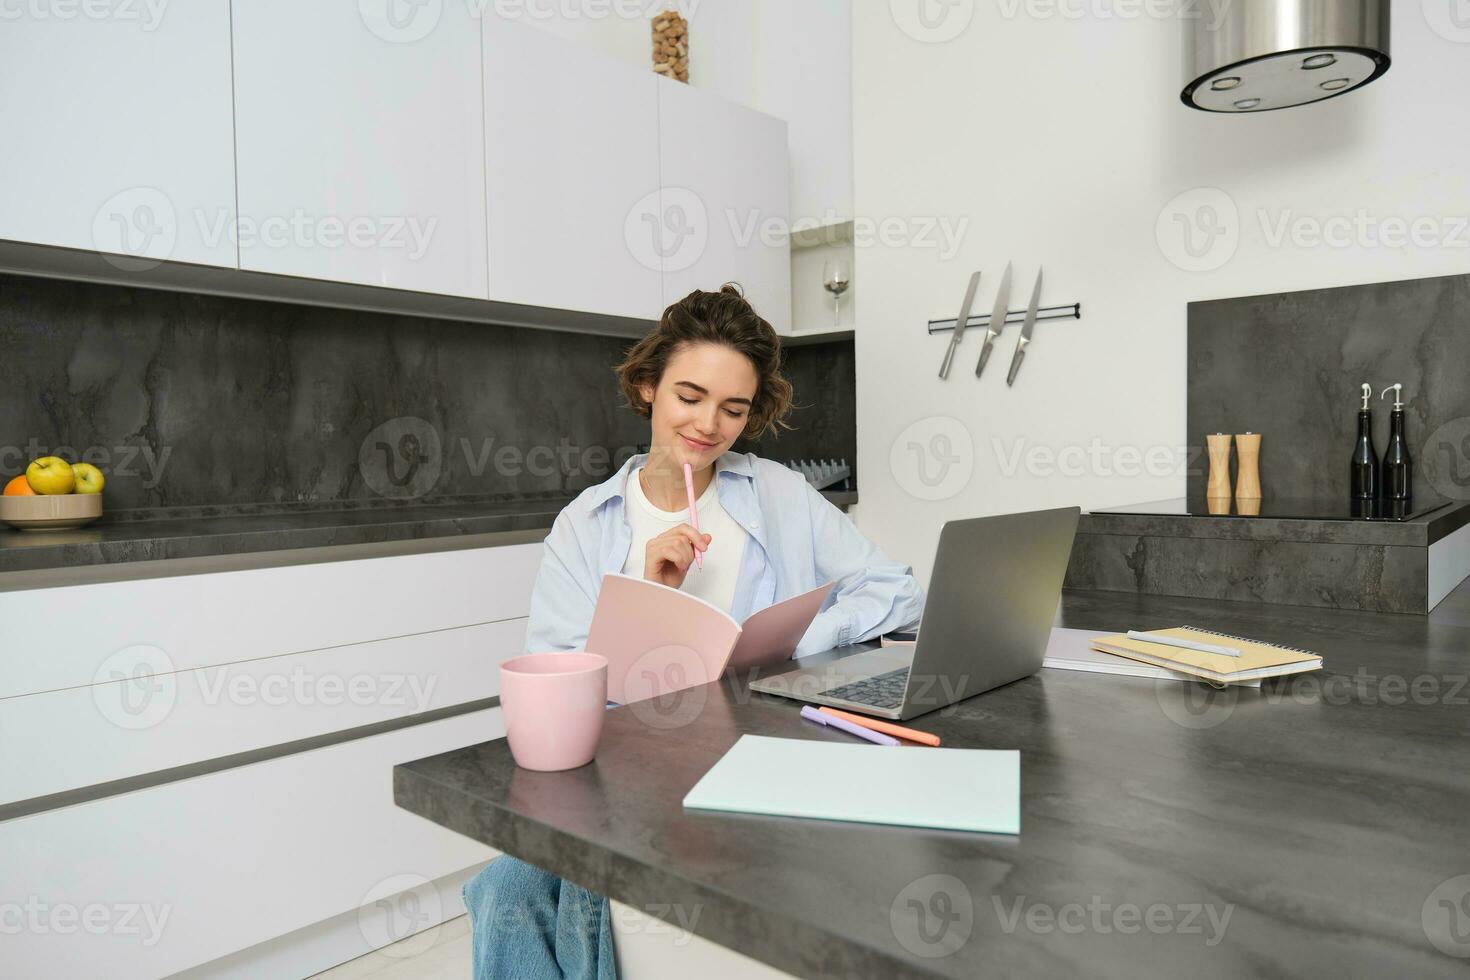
(1420,531)
(275,534)
(198,533)
(1314,827)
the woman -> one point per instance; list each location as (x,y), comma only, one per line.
(709,373)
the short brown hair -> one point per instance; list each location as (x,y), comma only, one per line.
(724,318)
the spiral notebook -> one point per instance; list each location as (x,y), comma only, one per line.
(1071,649)
(1257,660)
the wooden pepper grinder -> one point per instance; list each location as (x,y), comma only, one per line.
(1218,487)
(1248,459)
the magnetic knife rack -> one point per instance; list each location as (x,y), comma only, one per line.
(1072,311)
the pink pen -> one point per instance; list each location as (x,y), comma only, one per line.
(693,513)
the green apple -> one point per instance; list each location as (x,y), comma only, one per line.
(50,474)
(89,478)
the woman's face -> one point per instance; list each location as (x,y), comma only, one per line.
(701,404)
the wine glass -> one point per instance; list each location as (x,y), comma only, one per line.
(836,277)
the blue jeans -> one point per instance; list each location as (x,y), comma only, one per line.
(528,924)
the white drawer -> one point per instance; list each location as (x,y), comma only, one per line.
(58,638)
(224,861)
(78,737)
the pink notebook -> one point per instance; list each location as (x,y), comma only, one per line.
(658,640)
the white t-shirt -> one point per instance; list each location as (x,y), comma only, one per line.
(715,583)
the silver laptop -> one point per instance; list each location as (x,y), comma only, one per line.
(992,599)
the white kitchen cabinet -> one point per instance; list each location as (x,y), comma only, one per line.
(571,175)
(360,144)
(147,883)
(188,622)
(84,736)
(115,131)
(725,204)
(803,73)
(195,670)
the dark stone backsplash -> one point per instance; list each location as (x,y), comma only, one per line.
(1289,366)
(187,400)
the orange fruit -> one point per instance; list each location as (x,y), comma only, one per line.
(19,487)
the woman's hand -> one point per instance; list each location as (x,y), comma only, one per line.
(667,558)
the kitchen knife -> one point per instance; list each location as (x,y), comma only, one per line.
(997,319)
(1027,326)
(959,325)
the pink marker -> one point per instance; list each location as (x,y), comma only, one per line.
(693,514)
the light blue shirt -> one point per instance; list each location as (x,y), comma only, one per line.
(798,541)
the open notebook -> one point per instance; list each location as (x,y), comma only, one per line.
(1257,660)
(658,639)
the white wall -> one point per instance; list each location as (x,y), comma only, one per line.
(1062,140)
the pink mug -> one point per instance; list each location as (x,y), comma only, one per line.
(554,704)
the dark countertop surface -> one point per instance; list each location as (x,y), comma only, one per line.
(197,534)
(1314,827)
(1285,519)
(206,532)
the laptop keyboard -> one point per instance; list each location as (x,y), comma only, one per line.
(882,691)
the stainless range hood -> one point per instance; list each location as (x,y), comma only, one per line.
(1255,55)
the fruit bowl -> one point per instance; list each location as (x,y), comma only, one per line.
(47,511)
